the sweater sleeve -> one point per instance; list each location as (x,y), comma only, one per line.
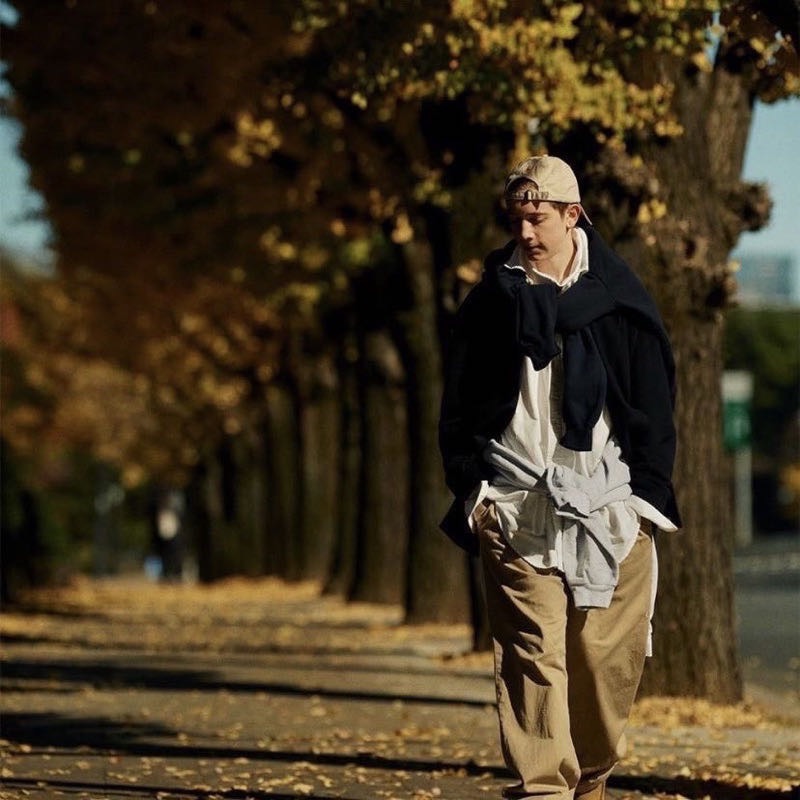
(463,466)
(652,429)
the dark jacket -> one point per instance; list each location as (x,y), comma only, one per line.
(484,362)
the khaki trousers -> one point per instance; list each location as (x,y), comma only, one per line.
(566,679)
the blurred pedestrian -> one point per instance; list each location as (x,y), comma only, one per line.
(558,441)
(168,520)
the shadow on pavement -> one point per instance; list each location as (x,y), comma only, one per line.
(101,675)
(47,730)
(101,736)
(30,785)
(236,648)
(693,788)
(104,736)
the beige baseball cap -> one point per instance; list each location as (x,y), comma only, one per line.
(552,179)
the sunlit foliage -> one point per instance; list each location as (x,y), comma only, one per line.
(212,171)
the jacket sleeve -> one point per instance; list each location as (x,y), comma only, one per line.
(652,428)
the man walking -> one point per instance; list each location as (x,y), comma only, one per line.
(558,441)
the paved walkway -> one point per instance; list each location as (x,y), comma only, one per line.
(263,691)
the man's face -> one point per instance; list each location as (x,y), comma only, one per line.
(541,230)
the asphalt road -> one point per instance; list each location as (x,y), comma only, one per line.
(768,610)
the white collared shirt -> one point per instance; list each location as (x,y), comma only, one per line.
(527,518)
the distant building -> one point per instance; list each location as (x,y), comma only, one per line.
(768,280)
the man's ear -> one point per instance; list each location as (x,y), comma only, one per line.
(573,215)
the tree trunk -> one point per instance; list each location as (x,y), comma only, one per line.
(479,611)
(694,628)
(438,578)
(218,551)
(683,259)
(383,519)
(319,425)
(246,517)
(256,504)
(22,555)
(342,573)
(199,522)
(283,482)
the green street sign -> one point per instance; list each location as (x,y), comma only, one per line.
(736,424)
(737,392)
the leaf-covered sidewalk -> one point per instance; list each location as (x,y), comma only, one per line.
(263,690)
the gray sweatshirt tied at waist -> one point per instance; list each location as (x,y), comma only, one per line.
(591,570)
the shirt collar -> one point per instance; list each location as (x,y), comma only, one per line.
(580,263)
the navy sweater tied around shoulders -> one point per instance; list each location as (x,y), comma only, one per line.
(616,354)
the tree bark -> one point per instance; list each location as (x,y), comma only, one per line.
(683,259)
(283,482)
(438,578)
(219,543)
(342,572)
(256,502)
(246,517)
(319,425)
(694,627)
(199,522)
(383,518)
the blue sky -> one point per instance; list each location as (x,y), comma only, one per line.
(18,204)
(772,156)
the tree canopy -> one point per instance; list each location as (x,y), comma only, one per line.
(274,146)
